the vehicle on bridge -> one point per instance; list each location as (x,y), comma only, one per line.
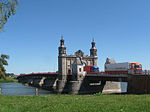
(123,68)
(91,69)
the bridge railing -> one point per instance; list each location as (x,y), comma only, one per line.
(143,72)
(37,74)
(146,72)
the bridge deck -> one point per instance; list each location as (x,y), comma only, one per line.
(108,77)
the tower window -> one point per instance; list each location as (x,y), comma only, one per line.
(79,69)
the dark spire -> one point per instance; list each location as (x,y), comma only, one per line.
(93,50)
(62,41)
(93,43)
(62,48)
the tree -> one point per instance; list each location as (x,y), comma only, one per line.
(7,8)
(2,63)
(9,74)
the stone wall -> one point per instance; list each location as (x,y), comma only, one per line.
(112,87)
(139,84)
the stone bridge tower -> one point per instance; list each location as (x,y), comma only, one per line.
(65,61)
(93,53)
(65,64)
(62,60)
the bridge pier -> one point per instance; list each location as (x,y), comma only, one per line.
(74,87)
(79,87)
(112,87)
(49,84)
(61,86)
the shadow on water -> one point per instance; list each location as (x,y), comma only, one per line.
(19,89)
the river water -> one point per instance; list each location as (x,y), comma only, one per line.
(123,87)
(20,89)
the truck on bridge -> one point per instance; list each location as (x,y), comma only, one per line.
(123,68)
(111,67)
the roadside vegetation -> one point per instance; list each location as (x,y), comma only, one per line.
(75,103)
(8,80)
(3,62)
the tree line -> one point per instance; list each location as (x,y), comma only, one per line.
(7,9)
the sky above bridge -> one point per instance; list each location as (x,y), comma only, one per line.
(120,28)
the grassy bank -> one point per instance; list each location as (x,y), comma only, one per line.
(8,80)
(75,103)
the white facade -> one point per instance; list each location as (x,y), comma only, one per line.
(78,69)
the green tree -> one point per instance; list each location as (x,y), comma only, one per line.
(7,8)
(2,63)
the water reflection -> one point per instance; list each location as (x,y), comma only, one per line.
(19,89)
(123,87)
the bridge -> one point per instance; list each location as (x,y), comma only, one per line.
(43,80)
(87,84)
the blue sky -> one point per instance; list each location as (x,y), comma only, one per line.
(121,29)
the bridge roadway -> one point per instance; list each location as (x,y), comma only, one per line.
(90,76)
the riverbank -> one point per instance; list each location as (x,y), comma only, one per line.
(8,80)
(75,103)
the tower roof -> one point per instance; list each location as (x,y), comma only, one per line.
(62,41)
(93,44)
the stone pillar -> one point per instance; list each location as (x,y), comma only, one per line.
(62,68)
(60,88)
(62,76)
(75,87)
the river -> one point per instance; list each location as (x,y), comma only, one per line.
(123,87)
(20,89)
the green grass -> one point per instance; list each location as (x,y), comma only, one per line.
(8,80)
(75,103)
